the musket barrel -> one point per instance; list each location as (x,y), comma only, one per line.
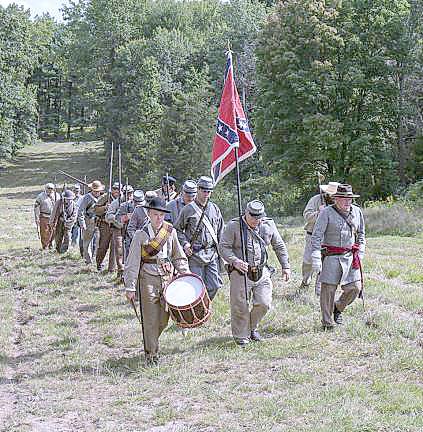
(73,178)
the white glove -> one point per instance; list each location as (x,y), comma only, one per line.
(316,265)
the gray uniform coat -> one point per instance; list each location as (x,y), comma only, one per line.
(205,249)
(138,219)
(86,209)
(230,243)
(175,207)
(333,230)
(310,214)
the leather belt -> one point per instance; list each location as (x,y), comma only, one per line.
(149,260)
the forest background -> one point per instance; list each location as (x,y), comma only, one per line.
(329,86)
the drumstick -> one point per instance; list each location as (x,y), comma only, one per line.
(135,310)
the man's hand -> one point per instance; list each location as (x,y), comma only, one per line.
(286,274)
(188,249)
(240,265)
(125,218)
(321,207)
(130,295)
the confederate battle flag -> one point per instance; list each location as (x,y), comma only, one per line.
(231,130)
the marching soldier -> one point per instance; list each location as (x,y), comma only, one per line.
(125,214)
(77,200)
(115,220)
(86,219)
(189,192)
(199,226)
(154,255)
(314,206)
(62,220)
(139,216)
(167,191)
(43,207)
(105,243)
(339,232)
(259,232)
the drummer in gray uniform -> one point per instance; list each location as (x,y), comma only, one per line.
(199,226)
(314,206)
(259,232)
(339,232)
(189,192)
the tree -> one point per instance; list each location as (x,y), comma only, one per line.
(327,101)
(187,129)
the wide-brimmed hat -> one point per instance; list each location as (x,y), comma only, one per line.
(255,209)
(330,188)
(96,186)
(205,183)
(116,185)
(189,187)
(77,186)
(345,191)
(158,204)
(49,186)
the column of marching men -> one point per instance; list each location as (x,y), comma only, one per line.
(151,237)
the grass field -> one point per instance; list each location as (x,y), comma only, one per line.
(71,357)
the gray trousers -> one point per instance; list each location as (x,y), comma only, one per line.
(327,300)
(87,237)
(244,320)
(209,273)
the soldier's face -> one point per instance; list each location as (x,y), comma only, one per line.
(252,221)
(156,218)
(96,193)
(115,193)
(343,203)
(188,197)
(203,194)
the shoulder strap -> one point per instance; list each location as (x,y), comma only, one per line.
(206,221)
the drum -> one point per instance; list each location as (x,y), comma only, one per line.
(187,299)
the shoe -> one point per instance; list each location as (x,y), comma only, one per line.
(255,336)
(303,286)
(100,267)
(242,342)
(152,361)
(337,316)
(326,327)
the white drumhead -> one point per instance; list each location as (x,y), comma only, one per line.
(183,291)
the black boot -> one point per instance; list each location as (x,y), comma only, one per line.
(337,315)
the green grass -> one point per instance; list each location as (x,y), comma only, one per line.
(71,356)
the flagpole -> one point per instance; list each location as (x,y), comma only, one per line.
(244,258)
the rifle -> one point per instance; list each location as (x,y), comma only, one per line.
(110,172)
(119,174)
(167,187)
(84,183)
(37,226)
(126,190)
